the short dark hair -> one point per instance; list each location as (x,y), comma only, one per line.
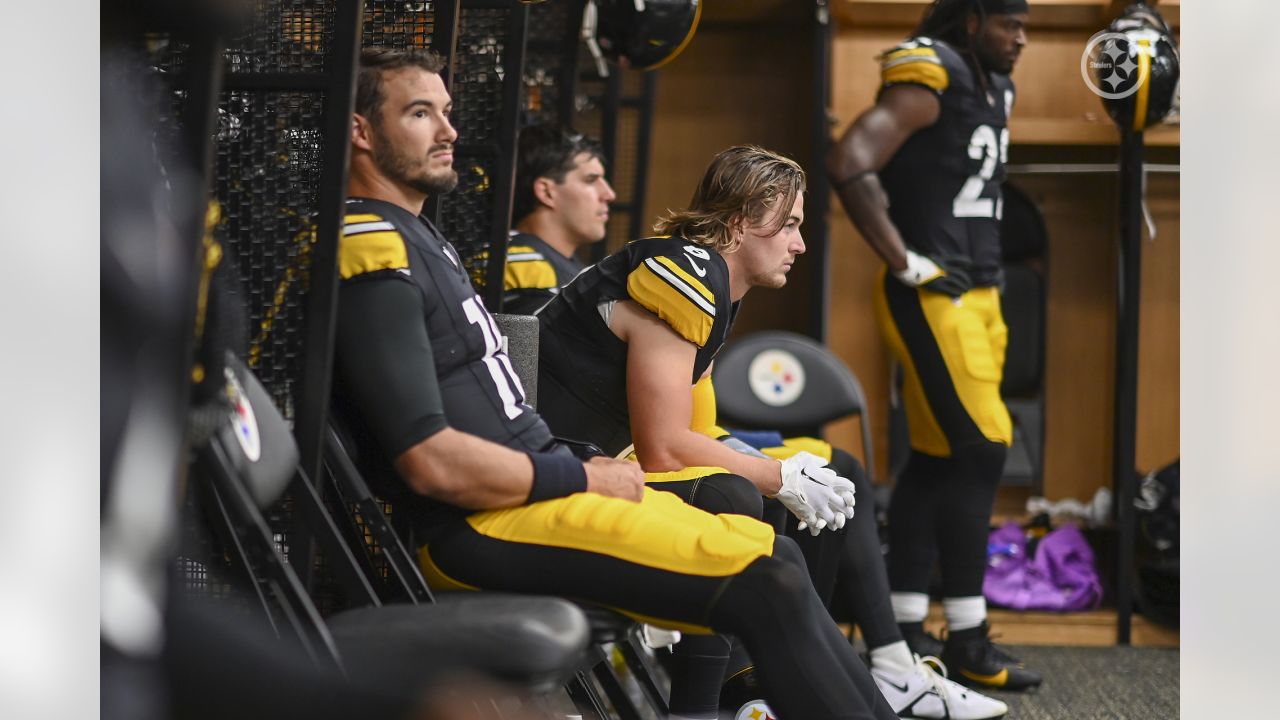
(547,151)
(375,61)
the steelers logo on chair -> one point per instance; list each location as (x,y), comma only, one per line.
(755,710)
(776,377)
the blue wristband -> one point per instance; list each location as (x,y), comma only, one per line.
(556,475)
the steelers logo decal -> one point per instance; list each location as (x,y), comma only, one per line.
(755,710)
(243,419)
(776,377)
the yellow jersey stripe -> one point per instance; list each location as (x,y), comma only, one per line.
(359,218)
(931,75)
(370,252)
(661,531)
(919,52)
(677,309)
(536,274)
(689,279)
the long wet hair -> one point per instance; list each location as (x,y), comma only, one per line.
(742,184)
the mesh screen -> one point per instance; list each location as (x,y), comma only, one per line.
(545,56)
(268,165)
(398,24)
(467,213)
(285,36)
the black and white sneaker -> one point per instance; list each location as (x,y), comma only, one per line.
(921,692)
(976,661)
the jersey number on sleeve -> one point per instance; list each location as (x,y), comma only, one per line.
(499,365)
(984,146)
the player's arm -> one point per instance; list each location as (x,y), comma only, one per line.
(864,149)
(385,359)
(659,365)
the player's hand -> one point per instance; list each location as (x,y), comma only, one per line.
(737,445)
(815,494)
(615,478)
(948,275)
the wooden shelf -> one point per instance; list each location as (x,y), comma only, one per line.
(1095,130)
(1094,628)
(1088,14)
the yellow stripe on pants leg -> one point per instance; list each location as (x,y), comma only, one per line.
(922,425)
(660,532)
(972,337)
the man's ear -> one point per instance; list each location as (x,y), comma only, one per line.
(971,24)
(544,189)
(737,223)
(361,132)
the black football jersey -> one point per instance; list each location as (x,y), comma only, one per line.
(582,365)
(535,272)
(479,388)
(944,182)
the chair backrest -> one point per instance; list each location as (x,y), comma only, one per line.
(374,538)
(521,332)
(246,465)
(257,439)
(784,381)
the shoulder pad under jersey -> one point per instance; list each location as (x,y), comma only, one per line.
(370,244)
(527,268)
(679,282)
(915,62)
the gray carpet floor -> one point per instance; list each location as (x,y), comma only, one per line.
(1111,683)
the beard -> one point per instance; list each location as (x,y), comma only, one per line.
(409,170)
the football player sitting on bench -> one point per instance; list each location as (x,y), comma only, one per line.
(621,346)
(561,205)
(441,426)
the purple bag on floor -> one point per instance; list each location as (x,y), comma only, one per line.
(1061,577)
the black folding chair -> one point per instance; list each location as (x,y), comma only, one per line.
(384,545)
(534,643)
(825,389)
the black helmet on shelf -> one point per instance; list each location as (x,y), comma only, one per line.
(645,34)
(1134,66)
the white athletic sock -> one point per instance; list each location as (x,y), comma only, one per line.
(909,606)
(964,612)
(894,657)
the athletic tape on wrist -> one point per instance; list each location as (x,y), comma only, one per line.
(556,475)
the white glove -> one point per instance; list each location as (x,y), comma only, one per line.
(815,494)
(943,274)
(734,443)
(656,637)
(919,270)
